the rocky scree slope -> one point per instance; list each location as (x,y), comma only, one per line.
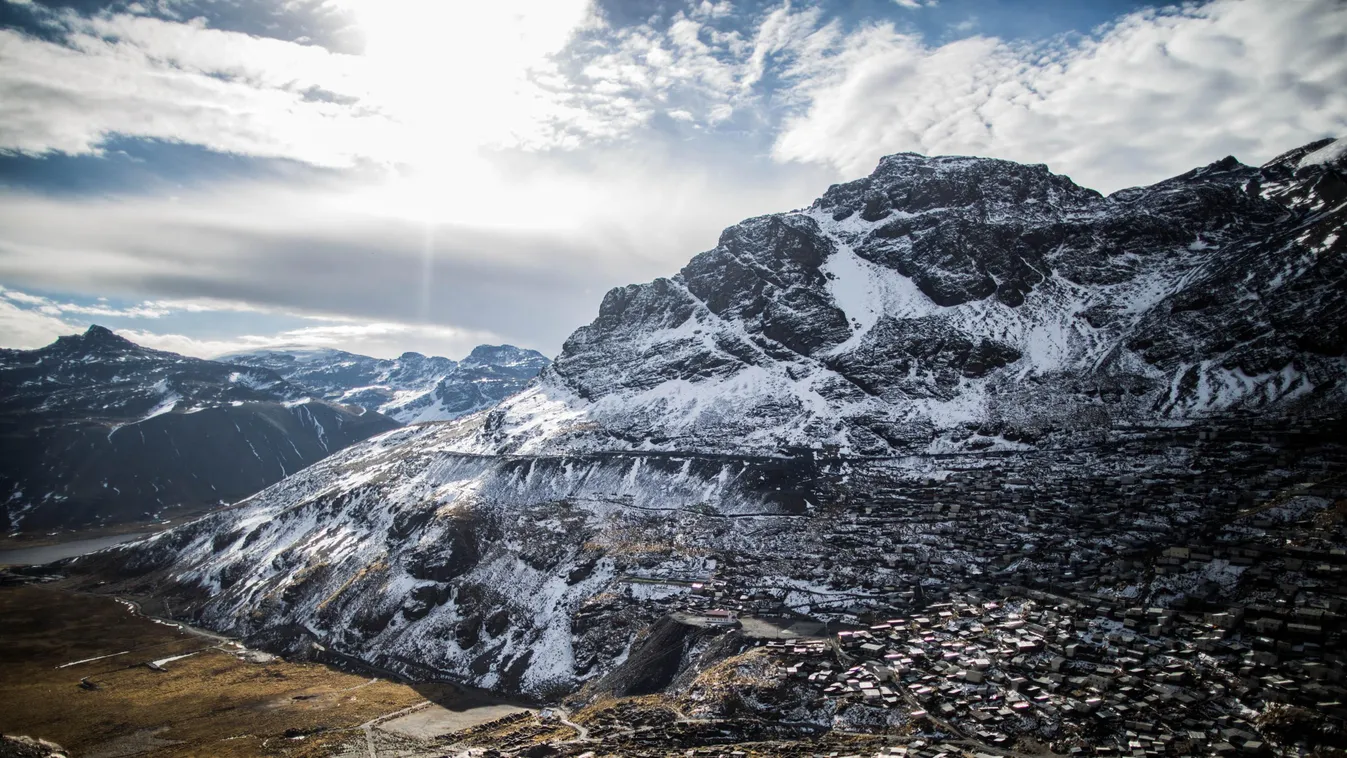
(941,303)
(503,572)
(410,388)
(97,430)
(950,301)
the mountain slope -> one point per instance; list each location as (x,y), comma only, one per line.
(442,564)
(717,423)
(95,429)
(411,388)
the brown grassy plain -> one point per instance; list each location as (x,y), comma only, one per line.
(211,703)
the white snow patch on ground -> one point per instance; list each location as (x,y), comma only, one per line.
(1330,153)
(91,660)
(167,403)
(160,663)
(866,293)
(248,380)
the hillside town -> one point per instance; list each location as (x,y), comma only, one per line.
(1169,609)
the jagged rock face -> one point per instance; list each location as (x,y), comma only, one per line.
(941,293)
(410,388)
(95,430)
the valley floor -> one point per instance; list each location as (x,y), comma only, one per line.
(94,676)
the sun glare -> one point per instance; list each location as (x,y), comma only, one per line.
(455,78)
(456,75)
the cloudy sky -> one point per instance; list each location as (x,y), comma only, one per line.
(389,175)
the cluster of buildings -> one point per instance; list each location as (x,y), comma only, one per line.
(1181,594)
(1063,674)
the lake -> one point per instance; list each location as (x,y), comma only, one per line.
(39,554)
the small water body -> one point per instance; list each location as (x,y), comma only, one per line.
(37,555)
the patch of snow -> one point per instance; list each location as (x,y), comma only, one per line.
(866,293)
(250,381)
(160,663)
(91,660)
(1330,153)
(169,401)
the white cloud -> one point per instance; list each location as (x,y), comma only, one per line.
(381,340)
(70,99)
(523,251)
(55,308)
(27,328)
(1155,94)
(30,321)
(708,9)
(1151,95)
(437,82)
(629,73)
(966,25)
(150,309)
(23,298)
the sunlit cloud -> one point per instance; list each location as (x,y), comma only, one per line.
(440,83)
(437,82)
(528,264)
(1154,94)
(494,169)
(384,340)
(30,321)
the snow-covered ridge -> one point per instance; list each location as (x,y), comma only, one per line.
(427,560)
(942,295)
(1333,152)
(411,388)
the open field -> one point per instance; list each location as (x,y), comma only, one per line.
(212,702)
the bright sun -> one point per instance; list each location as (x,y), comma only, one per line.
(456,78)
(456,74)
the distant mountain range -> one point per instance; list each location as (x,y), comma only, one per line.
(411,388)
(96,430)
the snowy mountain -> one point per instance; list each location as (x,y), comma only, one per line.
(95,429)
(410,388)
(942,301)
(936,311)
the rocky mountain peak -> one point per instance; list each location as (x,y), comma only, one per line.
(504,355)
(947,292)
(96,339)
(908,183)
